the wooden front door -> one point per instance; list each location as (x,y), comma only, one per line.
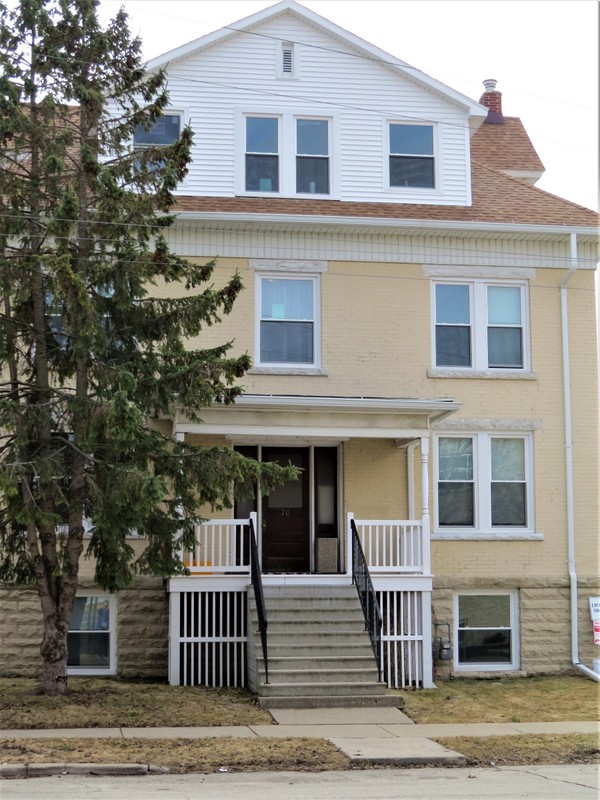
(285,515)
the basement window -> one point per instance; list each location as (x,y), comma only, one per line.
(91,640)
(486,631)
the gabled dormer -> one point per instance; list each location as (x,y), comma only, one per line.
(285,104)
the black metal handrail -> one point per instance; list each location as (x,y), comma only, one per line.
(361,578)
(256,578)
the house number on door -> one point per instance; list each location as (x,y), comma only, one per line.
(285,512)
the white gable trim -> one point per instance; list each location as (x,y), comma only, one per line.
(365,48)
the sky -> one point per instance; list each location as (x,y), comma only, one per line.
(543,53)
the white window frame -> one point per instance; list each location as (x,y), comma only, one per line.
(478,324)
(286,133)
(111,669)
(183,115)
(482,480)
(316,295)
(434,190)
(487,666)
(168,112)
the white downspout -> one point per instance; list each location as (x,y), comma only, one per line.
(569,465)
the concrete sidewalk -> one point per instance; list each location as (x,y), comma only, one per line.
(376,735)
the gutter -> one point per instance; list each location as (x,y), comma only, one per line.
(569,466)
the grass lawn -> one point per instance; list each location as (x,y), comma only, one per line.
(547,698)
(93,702)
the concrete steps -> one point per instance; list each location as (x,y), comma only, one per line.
(319,653)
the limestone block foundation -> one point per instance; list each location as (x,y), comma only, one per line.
(544,622)
(142,630)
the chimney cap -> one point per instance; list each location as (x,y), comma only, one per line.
(490,84)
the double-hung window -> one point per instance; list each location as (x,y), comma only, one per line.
(288,320)
(486,631)
(262,154)
(484,483)
(312,156)
(480,325)
(91,639)
(411,157)
(286,154)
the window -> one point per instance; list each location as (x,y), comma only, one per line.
(480,326)
(483,482)
(262,154)
(411,155)
(312,159)
(485,631)
(91,637)
(286,154)
(165,131)
(287,325)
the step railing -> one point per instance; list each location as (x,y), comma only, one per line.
(259,596)
(361,578)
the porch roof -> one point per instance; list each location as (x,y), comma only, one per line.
(254,418)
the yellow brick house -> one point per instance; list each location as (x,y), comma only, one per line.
(422,325)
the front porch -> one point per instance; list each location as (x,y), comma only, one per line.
(368,453)
(213,625)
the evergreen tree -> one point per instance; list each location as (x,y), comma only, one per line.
(90,360)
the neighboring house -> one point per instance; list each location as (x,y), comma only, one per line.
(421,320)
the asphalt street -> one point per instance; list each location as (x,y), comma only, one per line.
(563,782)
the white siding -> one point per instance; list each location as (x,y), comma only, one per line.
(241,73)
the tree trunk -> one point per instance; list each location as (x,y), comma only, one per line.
(54,658)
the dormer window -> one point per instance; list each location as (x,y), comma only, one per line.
(286,62)
(165,131)
(411,156)
(262,154)
(312,156)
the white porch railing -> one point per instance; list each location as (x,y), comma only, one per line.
(222,546)
(394,546)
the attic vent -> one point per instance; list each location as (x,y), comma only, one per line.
(287,61)
(288,54)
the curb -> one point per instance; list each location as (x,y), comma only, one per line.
(46,770)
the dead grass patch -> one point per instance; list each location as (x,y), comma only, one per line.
(525,749)
(182,755)
(105,703)
(547,698)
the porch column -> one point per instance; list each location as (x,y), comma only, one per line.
(426,596)
(425,505)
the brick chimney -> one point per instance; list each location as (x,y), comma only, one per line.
(493,100)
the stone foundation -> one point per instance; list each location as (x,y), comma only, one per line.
(544,622)
(142,630)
